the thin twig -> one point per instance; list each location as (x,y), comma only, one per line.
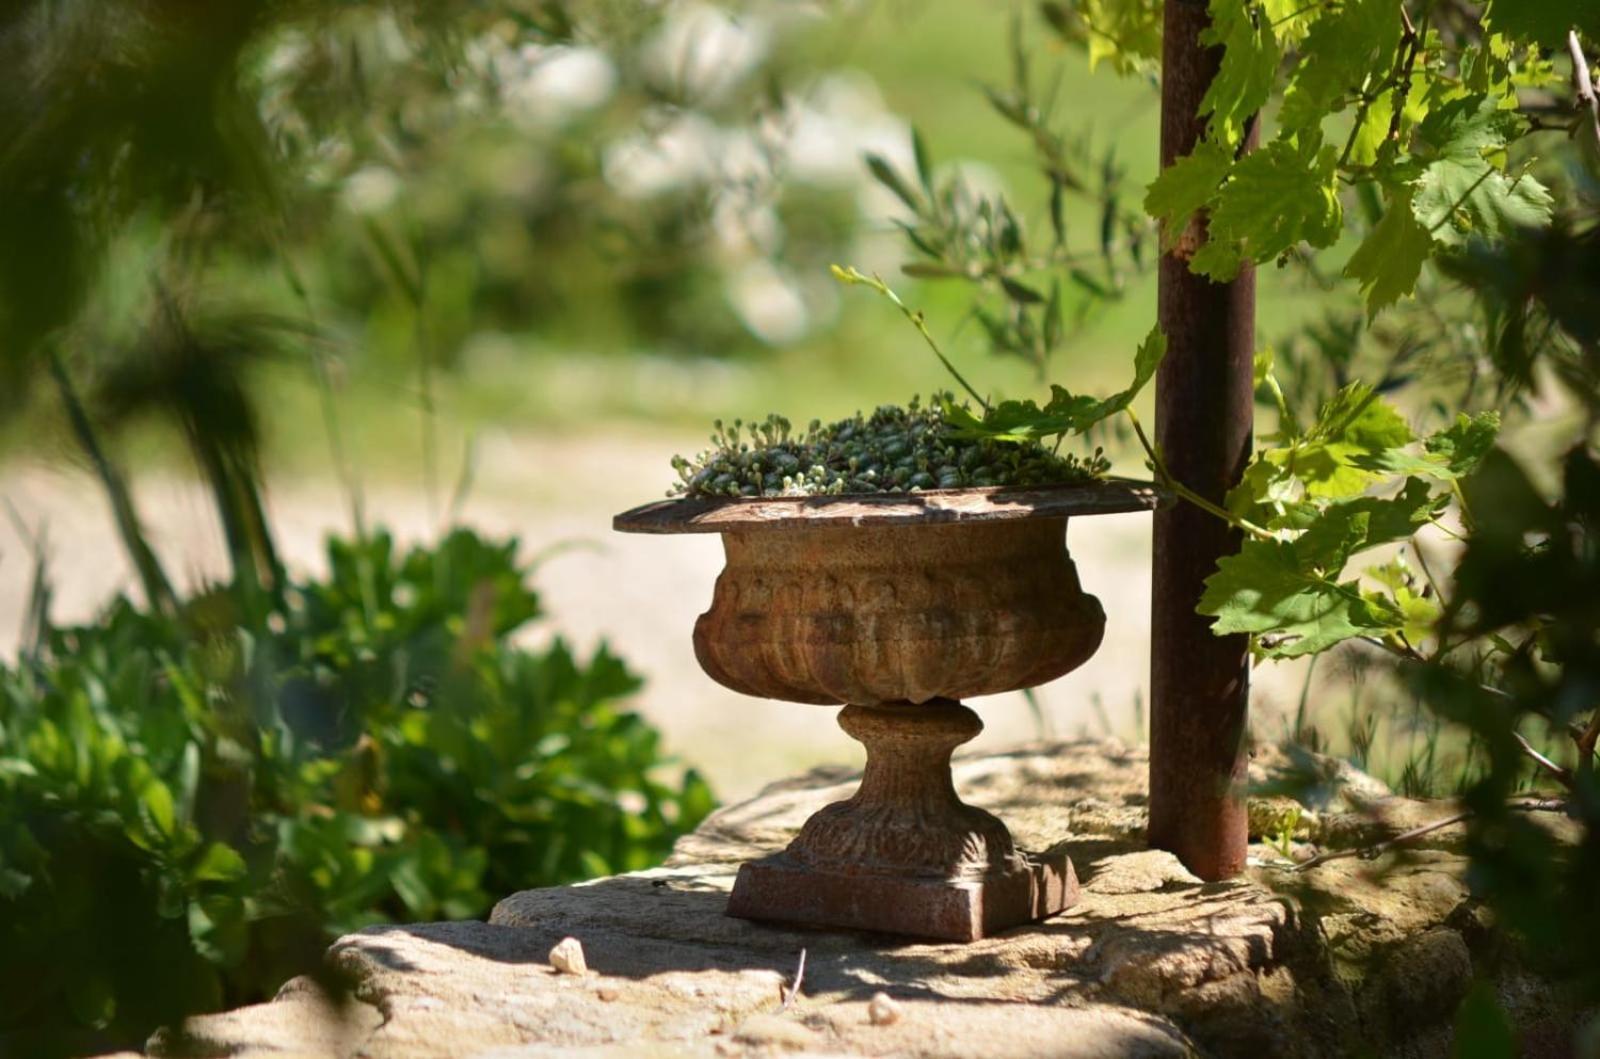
(1583,85)
(1559,773)
(1402,91)
(1377,849)
(794,988)
(1159,466)
(853,276)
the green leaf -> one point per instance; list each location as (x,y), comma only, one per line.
(1290,19)
(1366,522)
(1461,192)
(1465,443)
(1263,492)
(1357,416)
(1145,362)
(1349,46)
(1274,199)
(1335,459)
(1018,420)
(1269,590)
(1454,452)
(1367,141)
(884,174)
(1185,186)
(1419,615)
(1390,258)
(1125,32)
(219,863)
(157,809)
(1250,58)
(1544,22)
(1330,540)
(919,151)
(1026,421)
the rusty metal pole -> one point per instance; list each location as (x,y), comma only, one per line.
(1199,683)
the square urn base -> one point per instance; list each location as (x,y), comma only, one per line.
(780,889)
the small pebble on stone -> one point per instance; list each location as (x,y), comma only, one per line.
(567,957)
(608,993)
(882,1010)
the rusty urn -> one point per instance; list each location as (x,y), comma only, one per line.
(897,607)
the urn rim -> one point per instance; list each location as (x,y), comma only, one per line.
(999,503)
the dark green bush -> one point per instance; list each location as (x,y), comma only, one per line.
(191,807)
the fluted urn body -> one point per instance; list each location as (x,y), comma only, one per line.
(898,607)
(874,614)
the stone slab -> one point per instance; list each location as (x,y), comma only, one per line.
(1356,956)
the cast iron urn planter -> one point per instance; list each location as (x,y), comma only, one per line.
(898,606)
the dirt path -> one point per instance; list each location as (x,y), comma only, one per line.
(640,593)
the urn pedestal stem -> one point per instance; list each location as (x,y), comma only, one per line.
(904,854)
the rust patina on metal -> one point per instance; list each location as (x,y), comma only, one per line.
(899,606)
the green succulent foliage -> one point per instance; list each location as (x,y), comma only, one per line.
(909,449)
(191,807)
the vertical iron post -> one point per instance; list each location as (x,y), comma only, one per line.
(1199,683)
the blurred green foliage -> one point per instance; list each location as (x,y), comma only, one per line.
(193,805)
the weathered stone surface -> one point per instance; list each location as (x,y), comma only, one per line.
(1354,955)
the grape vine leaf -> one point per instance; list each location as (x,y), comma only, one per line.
(1125,32)
(1185,186)
(1269,588)
(1368,141)
(1452,453)
(1390,258)
(1419,613)
(1544,22)
(1145,362)
(1461,192)
(1264,494)
(1382,520)
(1020,420)
(1276,197)
(1332,459)
(1290,19)
(1346,47)
(1250,59)
(1065,412)
(1464,444)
